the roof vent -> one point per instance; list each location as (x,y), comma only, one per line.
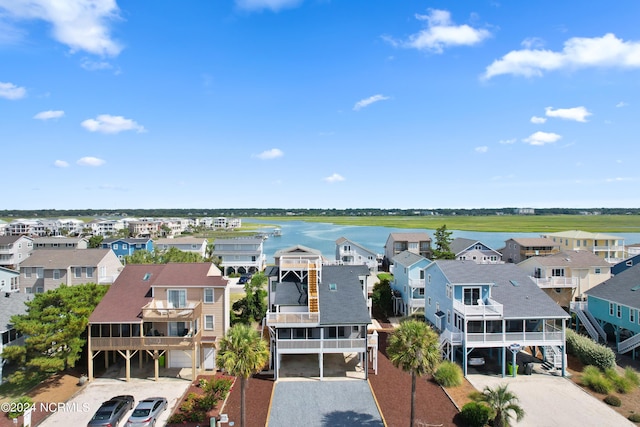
(514,283)
(635,288)
(146,277)
(333,287)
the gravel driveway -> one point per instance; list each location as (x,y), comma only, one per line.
(80,408)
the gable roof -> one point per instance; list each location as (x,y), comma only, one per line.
(342,240)
(5,240)
(128,240)
(579,234)
(297,250)
(190,274)
(572,259)
(526,300)
(625,264)
(181,241)
(408,237)
(535,241)
(47,240)
(407,259)
(620,288)
(460,244)
(63,258)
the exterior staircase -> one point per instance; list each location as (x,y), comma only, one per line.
(629,344)
(553,358)
(585,320)
(313,288)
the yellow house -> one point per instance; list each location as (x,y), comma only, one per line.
(606,246)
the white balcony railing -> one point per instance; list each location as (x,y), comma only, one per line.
(283,319)
(489,308)
(556,282)
(416,283)
(552,337)
(316,344)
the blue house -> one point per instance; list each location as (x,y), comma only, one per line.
(623,265)
(126,247)
(492,307)
(615,306)
(408,282)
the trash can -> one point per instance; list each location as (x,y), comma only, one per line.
(528,368)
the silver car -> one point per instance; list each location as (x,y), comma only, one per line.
(147,412)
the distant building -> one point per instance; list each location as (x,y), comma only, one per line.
(518,249)
(606,246)
(524,211)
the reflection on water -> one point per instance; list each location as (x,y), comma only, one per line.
(322,236)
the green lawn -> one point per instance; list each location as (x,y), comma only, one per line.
(502,223)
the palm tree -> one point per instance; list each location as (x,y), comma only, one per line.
(413,347)
(503,403)
(242,353)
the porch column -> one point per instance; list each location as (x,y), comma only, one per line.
(504,361)
(193,362)
(106,359)
(321,363)
(90,367)
(156,364)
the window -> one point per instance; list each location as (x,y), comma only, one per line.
(429,301)
(77,272)
(208,295)
(27,272)
(632,315)
(177,297)
(597,270)
(89,271)
(471,296)
(421,292)
(449,317)
(429,278)
(449,291)
(208,322)
(619,311)
(124,246)
(610,309)
(421,274)
(39,272)
(557,272)
(56,274)
(115,246)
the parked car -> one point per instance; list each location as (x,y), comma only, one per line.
(147,412)
(244,279)
(112,411)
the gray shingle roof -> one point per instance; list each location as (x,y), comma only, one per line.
(459,244)
(12,305)
(63,258)
(407,259)
(618,289)
(346,304)
(526,300)
(573,259)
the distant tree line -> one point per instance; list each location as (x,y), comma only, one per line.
(258,212)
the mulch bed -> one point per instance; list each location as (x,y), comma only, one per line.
(391,386)
(195,388)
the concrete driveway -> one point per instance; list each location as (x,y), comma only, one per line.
(81,407)
(554,401)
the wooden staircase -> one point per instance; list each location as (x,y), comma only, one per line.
(313,288)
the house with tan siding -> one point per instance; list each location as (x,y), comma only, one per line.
(175,312)
(47,269)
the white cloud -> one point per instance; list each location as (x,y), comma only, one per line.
(622,104)
(334,178)
(106,123)
(90,65)
(507,141)
(274,5)
(60,164)
(618,179)
(532,42)
(47,115)
(482,149)
(274,153)
(82,25)
(11,91)
(90,161)
(607,51)
(441,33)
(542,138)
(579,114)
(538,120)
(368,101)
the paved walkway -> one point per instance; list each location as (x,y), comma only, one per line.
(551,401)
(341,403)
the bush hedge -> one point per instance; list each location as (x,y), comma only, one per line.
(590,352)
(634,418)
(475,414)
(613,400)
(448,374)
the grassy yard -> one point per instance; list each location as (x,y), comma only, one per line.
(502,223)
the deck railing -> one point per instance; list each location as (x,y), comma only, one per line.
(158,311)
(511,337)
(143,343)
(490,308)
(317,344)
(292,318)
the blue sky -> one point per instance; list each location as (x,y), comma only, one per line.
(319,104)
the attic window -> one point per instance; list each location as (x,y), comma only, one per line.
(635,288)
(146,277)
(333,287)
(514,283)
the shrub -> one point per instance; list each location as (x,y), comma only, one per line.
(634,418)
(20,405)
(613,400)
(632,375)
(475,414)
(593,378)
(589,352)
(448,374)
(620,383)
